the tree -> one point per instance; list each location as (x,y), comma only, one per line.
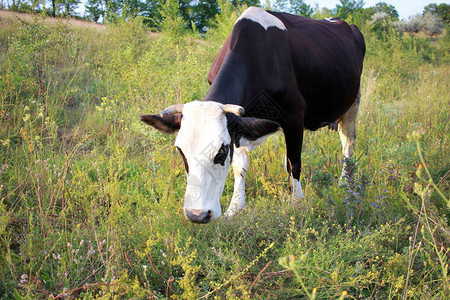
(198,13)
(151,10)
(433,23)
(321,13)
(281,5)
(194,13)
(53,8)
(380,23)
(430,22)
(296,7)
(201,13)
(95,10)
(172,22)
(299,7)
(415,24)
(68,6)
(348,8)
(223,22)
(383,7)
(240,3)
(388,11)
(134,8)
(379,18)
(442,10)
(110,10)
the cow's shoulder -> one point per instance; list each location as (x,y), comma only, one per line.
(318,28)
(261,17)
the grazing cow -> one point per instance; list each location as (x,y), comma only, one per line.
(275,71)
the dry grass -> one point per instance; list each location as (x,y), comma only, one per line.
(8,17)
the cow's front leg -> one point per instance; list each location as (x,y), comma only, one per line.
(297,191)
(240,167)
(294,140)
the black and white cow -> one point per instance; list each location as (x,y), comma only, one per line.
(275,71)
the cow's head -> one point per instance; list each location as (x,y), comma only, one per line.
(207,132)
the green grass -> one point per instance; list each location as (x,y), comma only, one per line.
(91,198)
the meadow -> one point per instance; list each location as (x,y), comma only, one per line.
(91,198)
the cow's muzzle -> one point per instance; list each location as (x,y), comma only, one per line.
(199,216)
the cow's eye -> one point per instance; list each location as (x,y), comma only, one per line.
(186,166)
(222,154)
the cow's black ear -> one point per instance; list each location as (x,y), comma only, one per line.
(249,128)
(166,124)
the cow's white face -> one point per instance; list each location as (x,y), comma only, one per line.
(204,142)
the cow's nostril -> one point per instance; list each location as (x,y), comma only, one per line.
(199,216)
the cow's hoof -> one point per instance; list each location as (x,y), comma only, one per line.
(229,216)
(296,200)
(333,126)
(297,191)
(299,196)
(346,182)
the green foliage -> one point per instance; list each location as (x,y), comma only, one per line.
(441,10)
(91,198)
(296,7)
(224,22)
(429,23)
(346,8)
(322,13)
(68,7)
(383,7)
(172,22)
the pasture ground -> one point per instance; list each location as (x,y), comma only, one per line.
(91,199)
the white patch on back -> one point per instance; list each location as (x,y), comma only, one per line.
(262,17)
(332,20)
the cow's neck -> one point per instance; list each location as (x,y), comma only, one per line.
(229,85)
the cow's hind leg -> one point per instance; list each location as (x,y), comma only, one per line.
(347,133)
(240,167)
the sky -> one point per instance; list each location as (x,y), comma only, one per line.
(405,8)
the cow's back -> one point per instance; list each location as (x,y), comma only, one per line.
(327,57)
(319,61)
